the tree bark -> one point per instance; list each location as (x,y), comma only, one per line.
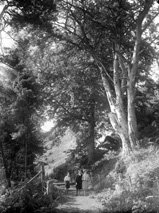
(126,146)
(122,131)
(124,121)
(5,164)
(131,91)
(117,116)
(91,145)
(132,122)
(26,158)
(3,11)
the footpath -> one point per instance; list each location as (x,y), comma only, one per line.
(80,203)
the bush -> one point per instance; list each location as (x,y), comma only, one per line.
(127,201)
(136,181)
(29,200)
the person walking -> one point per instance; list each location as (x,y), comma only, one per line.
(78,182)
(85,182)
(67,180)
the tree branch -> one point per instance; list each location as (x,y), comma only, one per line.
(106,84)
(149,22)
(124,73)
(142,15)
(116,78)
(78,117)
(3,11)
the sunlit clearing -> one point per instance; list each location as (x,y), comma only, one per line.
(47,126)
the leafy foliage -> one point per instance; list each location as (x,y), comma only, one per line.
(36,13)
(19,141)
(135,187)
(88,36)
(64,57)
(30,199)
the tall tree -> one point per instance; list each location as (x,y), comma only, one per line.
(111,33)
(89,25)
(19,103)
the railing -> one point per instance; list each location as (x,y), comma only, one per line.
(49,184)
(30,181)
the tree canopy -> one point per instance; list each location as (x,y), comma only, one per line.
(84,63)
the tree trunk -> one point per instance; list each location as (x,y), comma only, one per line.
(43,176)
(91,145)
(132,123)
(122,131)
(126,146)
(124,120)
(26,157)
(5,164)
(117,116)
(132,71)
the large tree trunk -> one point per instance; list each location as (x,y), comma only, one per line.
(124,120)
(132,122)
(132,71)
(117,116)
(122,131)
(91,147)
(126,146)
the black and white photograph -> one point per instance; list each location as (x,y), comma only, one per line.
(79,106)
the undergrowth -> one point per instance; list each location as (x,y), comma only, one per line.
(134,185)
(30,199)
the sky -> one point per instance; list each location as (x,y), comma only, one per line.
(5,40)
(47,126)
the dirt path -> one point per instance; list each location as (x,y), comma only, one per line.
(80,204)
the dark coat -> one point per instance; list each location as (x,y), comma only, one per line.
(79,182)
